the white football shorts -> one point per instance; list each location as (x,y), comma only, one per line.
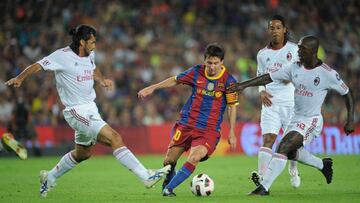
(86,121)
(308,127)
(275,117)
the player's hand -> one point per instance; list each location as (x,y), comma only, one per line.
(16,82)
(108,84)
(232,140)
(349,127)
(145,92)
(265,98)
(236,87)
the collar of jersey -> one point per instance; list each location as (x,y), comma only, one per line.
(222,71)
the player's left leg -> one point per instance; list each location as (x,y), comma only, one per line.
(286,112)
(197,153)
(290,142)
(110,137)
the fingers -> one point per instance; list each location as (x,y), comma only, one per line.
(13,82)
(266,101)
(141,94)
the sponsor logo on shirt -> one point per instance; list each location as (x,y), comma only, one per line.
(87,75)
(302,91)
(209,93)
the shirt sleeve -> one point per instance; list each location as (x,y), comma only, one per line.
(50,62)
(337,84)
(231,98)
(282,73)
(187,77)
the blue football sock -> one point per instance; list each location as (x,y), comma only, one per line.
(180,177)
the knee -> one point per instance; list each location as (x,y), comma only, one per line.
(79,157)
(290,144)
(116,140)
(194,158)
(169,160)
(269,140)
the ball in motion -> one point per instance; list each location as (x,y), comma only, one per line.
(202,185)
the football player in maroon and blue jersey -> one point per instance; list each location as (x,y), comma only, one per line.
(198,127)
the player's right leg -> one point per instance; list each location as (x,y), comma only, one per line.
(66,163)
(110,137)
(9,143)
(196,154)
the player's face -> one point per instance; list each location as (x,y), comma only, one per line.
(276,31)
(89,45)
(213,65)
(305,52)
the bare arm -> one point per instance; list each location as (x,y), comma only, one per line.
(107,83)
(232,121)
(170,82)
(256,81)
(98,77)
(349,126)
(17,81)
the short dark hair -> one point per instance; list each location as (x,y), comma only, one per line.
(214,49)
(282,20)
(81,32)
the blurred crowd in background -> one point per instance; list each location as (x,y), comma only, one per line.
(143,42)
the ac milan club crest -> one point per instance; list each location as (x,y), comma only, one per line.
(289,56)
(316,81)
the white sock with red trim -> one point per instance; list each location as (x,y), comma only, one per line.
(128,159)
(66,163)
(307,158)
(264,158)
(276,166)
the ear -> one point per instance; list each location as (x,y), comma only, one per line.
(82,42)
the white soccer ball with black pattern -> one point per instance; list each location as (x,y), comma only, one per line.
(202,185)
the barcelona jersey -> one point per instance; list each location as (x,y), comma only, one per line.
(207,103)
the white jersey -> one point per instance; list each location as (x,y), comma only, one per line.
(73,75)
(311,86)
(269,60)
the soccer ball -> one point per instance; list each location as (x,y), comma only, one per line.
(202,185)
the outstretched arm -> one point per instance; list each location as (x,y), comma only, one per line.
(17,81)
(170,82)
(107,83)
(349,125)
(256,81)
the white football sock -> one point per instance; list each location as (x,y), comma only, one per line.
(66,163)
(276,166)
(307,158)
(264,158)
(292,166)
(126,158)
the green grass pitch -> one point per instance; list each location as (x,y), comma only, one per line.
(103,179)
